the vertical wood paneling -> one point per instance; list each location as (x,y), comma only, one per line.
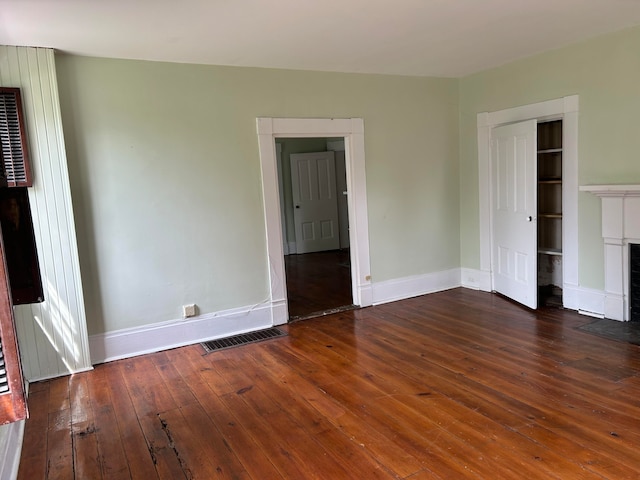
(52,335)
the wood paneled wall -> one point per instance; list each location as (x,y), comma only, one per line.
(52,335)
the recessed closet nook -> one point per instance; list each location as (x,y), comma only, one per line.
(550,213)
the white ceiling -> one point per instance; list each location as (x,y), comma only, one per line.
(448,38)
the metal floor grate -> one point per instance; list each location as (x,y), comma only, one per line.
(242,339)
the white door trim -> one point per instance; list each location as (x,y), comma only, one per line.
(565,108)
(285,243)
(352,129)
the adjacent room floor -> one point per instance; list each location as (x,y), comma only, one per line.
(317,282)
(457,384)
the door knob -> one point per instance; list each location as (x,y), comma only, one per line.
(529,218)
(297,206)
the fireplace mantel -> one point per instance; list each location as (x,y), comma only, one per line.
(620,226)
(612,190)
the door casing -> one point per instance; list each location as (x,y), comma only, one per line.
(352,130)
(567,109)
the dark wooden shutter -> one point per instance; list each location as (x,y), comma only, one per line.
(13,405)
(13,139)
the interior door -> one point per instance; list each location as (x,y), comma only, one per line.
(315,203)
(513,163)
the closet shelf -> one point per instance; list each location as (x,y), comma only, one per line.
(550,251)
(550,215)
(551,150)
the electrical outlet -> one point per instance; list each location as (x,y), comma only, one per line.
(189,310)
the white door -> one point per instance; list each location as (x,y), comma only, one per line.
(513,163)
(315,203)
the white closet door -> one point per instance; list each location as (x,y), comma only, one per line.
(514,163)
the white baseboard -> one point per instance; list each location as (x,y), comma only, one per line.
(56,375)
(571,297)
(475,279)
(399,289)
(162,336)
(11,436)
(366,295)
(280,311)
(131,342)
(586,301)
(614,307)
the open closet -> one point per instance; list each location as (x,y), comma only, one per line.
(549,151)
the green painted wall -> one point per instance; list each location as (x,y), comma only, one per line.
(165,178)
(605,73)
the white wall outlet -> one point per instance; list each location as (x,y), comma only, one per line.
(189,310)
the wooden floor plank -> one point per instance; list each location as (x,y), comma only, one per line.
(457,384)
(140,458)
(111,447)
(377,451)
(202,451)
(331,439)
(250,453)
(59,446)
(87,462)
(149,392)
(170,375)
(421,393)
(58,394)
(510,403)
(33,463)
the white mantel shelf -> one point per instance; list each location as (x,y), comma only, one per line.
(612,190)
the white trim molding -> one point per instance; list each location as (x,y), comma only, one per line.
(352,130)
(414,286)
(620,227)
(591,302)
(565,108)
(132,342)
(475,279)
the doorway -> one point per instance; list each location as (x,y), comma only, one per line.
(566,109)
(315,225)
(352,130)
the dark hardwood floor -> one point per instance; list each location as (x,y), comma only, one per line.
(457,384)
(317,282)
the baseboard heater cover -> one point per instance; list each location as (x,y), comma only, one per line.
(242,339)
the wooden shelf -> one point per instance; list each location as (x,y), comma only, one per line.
(549,225)
(550,150)
(550,251)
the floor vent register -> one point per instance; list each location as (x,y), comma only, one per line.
(242,339)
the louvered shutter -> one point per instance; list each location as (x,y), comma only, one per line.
(4,379)
(13,139)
